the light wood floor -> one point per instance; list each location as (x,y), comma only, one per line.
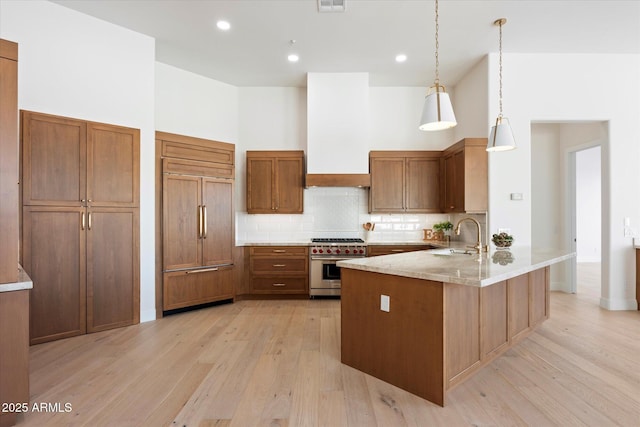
(277,363)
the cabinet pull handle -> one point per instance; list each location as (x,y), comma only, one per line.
(278,284)
(279,265)
(279,251)
(83,221)
(204,222)
(202,271)
(199,222)
(397,250)
(89,220)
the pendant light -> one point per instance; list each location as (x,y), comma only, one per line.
(501,136)
(437,113)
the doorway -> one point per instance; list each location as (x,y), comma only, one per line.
(588,219)
(566,206)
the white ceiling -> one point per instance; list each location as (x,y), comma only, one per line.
(366,37)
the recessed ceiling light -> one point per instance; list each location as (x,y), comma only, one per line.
(401,58)
(223,25)
(293,57)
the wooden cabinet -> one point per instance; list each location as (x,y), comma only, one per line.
(9,205)
(14,353)
(464,169)
(80,239)
(275,182)
(197,220)
(279,269)
(376,250)
(187,288)
(404,181)
(77,163)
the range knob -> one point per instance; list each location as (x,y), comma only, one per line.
(328,251)
(347,251)
(361,251)
(320,250)
(337,251)
(315,251)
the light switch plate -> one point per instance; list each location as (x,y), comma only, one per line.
(384,303)
(516,196)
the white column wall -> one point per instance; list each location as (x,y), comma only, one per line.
(74,65)
(548,88)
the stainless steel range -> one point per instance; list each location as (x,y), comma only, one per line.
(324,275)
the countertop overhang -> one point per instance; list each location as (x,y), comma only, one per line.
(24,282)
(472,270)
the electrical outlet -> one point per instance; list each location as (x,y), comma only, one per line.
(384,303)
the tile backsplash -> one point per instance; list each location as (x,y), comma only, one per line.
(340,212)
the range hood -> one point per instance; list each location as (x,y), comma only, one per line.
(338,130)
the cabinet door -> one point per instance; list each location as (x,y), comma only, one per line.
(53,254)
(260,185)
(454,182)
(181,221)
(113,171)
(387,185)
(218,234)
(289,185)
(113,261)
(54,160)
(423,185)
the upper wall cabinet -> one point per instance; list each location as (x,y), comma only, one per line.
(404,181)
(465,176)
(75,163)
(275,182)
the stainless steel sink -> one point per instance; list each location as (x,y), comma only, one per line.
(450,252)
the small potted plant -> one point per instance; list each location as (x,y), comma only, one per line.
(441,227)
(502,240)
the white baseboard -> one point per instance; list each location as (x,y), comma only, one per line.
(618,304)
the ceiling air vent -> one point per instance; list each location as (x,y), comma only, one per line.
(331,5)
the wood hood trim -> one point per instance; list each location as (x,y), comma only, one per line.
(338,180)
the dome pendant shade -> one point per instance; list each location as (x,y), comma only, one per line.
(501,136)
(437,113)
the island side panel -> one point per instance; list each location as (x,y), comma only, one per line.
(462,330)
(494,322)
(404,346)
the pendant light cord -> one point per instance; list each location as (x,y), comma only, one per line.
(437,80)
(500,73)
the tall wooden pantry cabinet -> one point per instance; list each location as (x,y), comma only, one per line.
(80,231)
(197,217)
(14,297)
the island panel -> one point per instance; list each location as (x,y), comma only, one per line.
(394,346)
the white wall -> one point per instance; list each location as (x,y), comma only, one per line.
(395,115)
(471,103)
(193,105)
(551,88)
(73,65)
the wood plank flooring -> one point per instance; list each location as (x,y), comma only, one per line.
(277,363)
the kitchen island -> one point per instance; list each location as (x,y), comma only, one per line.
(425,321)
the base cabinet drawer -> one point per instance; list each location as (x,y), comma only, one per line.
(285,285)
(193,287)
(288,266)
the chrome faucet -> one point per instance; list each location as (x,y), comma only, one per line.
(478,247)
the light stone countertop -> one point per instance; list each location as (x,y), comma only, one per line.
(367,243)
(472,270)
(24,282)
